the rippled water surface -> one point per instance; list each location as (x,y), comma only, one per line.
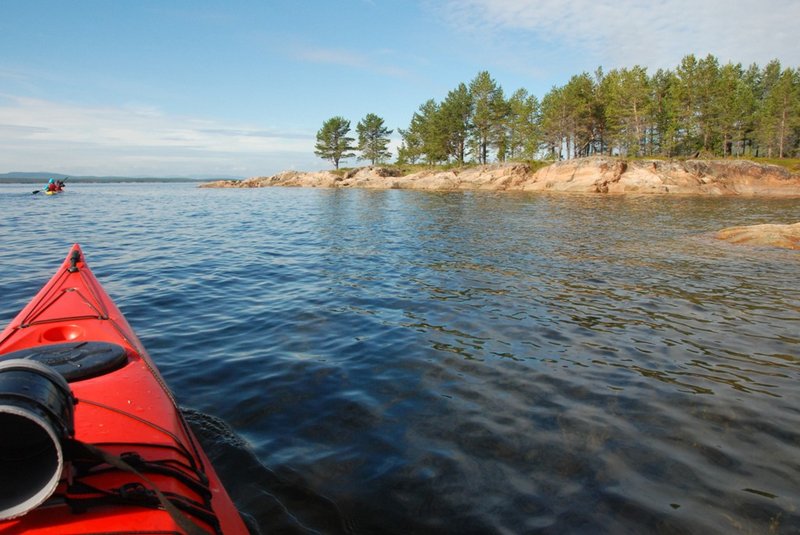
(398,362)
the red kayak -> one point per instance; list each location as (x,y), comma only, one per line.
(91,438)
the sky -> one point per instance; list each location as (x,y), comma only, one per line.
(173,88)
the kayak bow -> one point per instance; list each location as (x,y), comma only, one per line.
(91,438)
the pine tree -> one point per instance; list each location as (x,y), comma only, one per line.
(685,92)
(332,141)
(752,82)
(627,95)
(735,108)
(523,121)
(425,136)
(410,149)
(456,114)
(499,131)
(579,100)
(778,117)
(486,99)
(554,122)
(709,95)
(665,127)
(373,139)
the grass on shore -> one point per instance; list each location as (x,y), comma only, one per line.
(408,169)
(791,164)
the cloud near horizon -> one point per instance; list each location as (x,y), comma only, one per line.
(39,134)
(624,33)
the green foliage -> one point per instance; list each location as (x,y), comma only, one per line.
(628,105)
(426,137)
(790,164)
(332,141)
(778,116)
(455,121)
(488,113)
(700,107)
(579,95)
(522,125)
(373,139)
(555,122)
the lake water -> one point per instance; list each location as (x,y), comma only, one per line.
(409,362)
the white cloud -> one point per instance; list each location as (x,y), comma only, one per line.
(39,134)
(616,33)
(355,60)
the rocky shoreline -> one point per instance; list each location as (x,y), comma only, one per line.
(605,175)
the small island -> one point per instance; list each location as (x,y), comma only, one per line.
(595,175)
(697,129)
(703,128)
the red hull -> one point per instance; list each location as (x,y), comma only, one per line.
(127,409)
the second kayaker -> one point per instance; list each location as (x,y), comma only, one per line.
(54,185)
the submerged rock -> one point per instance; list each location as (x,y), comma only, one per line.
(599,174)
(787,236)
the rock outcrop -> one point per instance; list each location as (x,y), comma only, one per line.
(787,236)
(600,174)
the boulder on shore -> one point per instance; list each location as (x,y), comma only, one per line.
(597,174)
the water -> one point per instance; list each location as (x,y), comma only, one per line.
(409,362)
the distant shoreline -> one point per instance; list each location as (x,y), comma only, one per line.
(99,180)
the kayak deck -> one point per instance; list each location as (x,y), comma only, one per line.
(124,408)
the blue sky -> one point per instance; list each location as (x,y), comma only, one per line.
(240,88)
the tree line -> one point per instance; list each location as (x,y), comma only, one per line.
(698,108)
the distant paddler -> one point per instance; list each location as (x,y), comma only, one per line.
(52,187)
